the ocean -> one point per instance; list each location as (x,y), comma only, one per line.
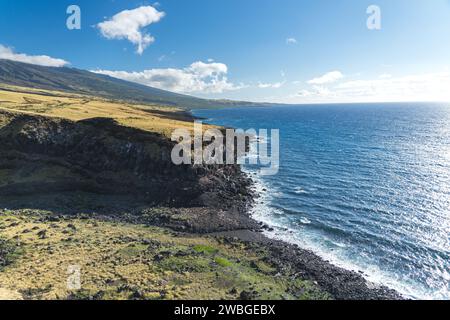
(365,186)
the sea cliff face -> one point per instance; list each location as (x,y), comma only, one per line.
(47,155)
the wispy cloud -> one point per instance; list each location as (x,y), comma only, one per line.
(43,60)
(130,24)
(199,77)
(291,41)
(275,85)
(329,77)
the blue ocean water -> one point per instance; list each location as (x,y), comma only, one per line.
(366,186)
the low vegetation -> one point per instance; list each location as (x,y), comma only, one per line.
(129,261)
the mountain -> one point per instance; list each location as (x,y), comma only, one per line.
(88,83)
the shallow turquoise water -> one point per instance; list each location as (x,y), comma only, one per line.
(365,186)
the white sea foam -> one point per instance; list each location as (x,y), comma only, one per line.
(305,220)
(300,190)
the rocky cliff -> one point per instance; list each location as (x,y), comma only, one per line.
(41,155)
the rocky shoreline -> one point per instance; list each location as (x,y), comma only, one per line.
(342,284)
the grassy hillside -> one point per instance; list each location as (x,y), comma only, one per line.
(87,83)
(149,117)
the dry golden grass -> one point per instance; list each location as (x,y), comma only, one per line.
(153,118)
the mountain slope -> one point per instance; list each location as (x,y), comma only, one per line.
(84,82)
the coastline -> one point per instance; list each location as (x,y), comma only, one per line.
(204,209)
(342,283)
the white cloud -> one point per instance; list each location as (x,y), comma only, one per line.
(199,77)
(419,87)
(275,85)
(315,92)
(9,54)
(129,25)
(330,77)
(291,41)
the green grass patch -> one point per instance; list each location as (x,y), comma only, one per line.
(186,264)
(223,262)
(263,267)
(205,249)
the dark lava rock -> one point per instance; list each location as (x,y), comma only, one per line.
(247,295)
(42,234)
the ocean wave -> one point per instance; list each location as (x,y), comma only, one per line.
(305,220)
(300,190)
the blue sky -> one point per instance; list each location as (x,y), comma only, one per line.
(296,51)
